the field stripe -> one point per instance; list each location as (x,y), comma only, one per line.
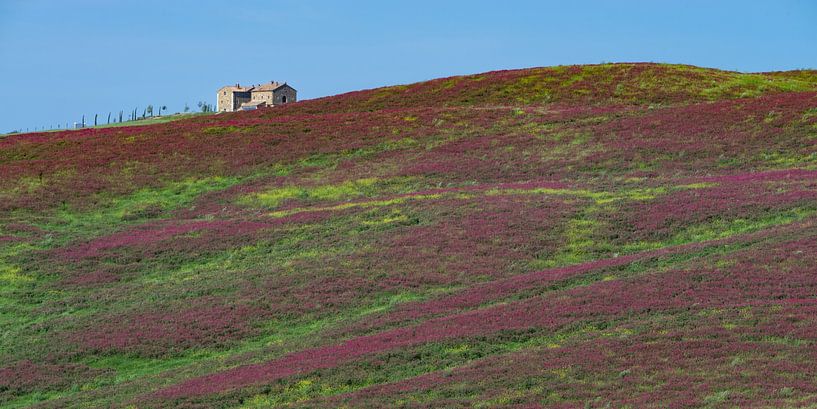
(460,324)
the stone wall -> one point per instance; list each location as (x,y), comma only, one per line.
(265,96)
(284,95)
(224,100)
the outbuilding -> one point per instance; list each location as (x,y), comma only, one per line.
(253,105)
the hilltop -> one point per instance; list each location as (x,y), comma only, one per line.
(615,234)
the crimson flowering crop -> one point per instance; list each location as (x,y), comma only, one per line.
(90,279)
(672,371)
(204,321)
(25,376)
(759,177)
(606,235)
(605,300)
(153,234)
(729,199)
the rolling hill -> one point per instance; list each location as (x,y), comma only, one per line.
(615,235)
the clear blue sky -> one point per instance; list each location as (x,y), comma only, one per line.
(60,59)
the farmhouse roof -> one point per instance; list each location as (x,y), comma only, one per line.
(268,87)
(236,88)
(271,86)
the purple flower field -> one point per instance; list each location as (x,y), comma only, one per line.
(615,235)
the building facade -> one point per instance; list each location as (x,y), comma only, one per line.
(235,98)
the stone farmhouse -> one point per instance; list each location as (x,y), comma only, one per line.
(235,98)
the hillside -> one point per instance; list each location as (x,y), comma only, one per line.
(611,235)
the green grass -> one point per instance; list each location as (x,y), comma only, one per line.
(139,122)
(753,85)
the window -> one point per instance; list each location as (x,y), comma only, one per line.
(225,92)
(284,99)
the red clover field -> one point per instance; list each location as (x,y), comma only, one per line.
(614,235)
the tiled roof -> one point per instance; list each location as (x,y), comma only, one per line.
(235,89)
(267,87)
(271,86)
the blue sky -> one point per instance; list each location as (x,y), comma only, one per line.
(60,59)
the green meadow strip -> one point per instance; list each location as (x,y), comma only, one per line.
(721,228)
(67,224)
(597,197)
(423,359)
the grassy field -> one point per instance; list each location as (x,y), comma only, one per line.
(140,122)
(157,119)
(616,235)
